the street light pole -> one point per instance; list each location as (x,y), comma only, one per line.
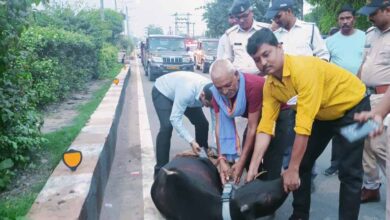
(127,23)
(102,10)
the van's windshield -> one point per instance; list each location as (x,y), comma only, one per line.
(172,44)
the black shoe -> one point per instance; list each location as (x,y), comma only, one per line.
(330,171)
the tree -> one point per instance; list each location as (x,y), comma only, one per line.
(327,13)
(153,29)
(216,17)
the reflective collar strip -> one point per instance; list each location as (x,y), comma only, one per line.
(225,198)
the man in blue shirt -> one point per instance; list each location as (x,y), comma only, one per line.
(175,95)
(347,45)
(346,50)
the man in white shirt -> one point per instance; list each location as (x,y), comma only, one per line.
(298,37)
(175,95)
(238,35)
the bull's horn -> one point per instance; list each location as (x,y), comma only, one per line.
(168,172)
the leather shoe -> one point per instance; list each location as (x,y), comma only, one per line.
(370,195)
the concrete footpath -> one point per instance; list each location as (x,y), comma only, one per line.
(79,194)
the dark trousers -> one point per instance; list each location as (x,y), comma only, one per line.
(284,137)
(163,107)
(350,166)
(336,144)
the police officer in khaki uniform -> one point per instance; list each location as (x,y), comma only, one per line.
(375,73)
(238,35)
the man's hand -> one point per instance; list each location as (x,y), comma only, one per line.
(251,175)
(364,116)
(195,147)
(224,171)
(237,169)
(291,180)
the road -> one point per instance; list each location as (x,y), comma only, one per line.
(127,192)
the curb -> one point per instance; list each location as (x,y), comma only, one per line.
(79,194)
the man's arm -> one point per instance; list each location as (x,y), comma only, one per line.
(377,114)
(213,124)
(228,53)
(221,47)
(291,180)
(261,145)
(179,106)
(217,133)
(237,168)
(319,47)
(253,119)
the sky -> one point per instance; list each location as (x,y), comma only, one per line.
(157,12)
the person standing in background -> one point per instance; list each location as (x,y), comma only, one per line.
(346,50)
(375,73)
(237,36)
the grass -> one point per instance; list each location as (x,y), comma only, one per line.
(17,206)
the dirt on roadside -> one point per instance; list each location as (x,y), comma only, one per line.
(62,114)
(56,116)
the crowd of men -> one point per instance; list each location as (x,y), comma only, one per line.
(296,90)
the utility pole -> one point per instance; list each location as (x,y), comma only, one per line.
(115,6)
(127,23)
(193,29)
(188,24)
(102,10)
(183,21)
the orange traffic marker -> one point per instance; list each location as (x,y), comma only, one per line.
(116,81)
(72,159)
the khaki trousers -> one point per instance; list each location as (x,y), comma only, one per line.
(388,181)
(374,154)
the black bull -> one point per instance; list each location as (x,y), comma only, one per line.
(190,188)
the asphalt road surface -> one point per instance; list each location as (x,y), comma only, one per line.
(127,193)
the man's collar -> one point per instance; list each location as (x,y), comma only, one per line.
(298,24)
(385,31)
(286,72)
(250,29)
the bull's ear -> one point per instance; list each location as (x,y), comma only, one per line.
(168,172)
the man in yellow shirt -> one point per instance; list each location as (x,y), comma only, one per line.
(325,98)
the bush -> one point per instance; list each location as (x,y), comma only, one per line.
(107,59)
(19,120)
(59,62)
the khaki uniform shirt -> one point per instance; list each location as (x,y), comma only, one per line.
(375,69)
(236,42)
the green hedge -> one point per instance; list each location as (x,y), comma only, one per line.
(107,59)
(59,62)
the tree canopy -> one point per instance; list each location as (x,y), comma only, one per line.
(325,13)
(153,29)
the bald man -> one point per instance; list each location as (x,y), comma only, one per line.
(237,94)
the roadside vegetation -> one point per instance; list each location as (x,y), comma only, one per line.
(46,56)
